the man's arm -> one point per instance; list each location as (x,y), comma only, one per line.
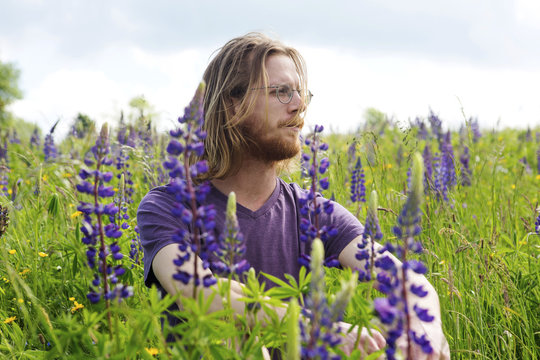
(433,329)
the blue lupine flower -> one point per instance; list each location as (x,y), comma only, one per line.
(49,148)
(466,172)
(436,125)
(428,168)
(4,169)
(310,208)
(318,335)
(372,233)
(393,281)
(358,188)
(475,127)
(200,241)
(537,225)
(231,247)
(95,232)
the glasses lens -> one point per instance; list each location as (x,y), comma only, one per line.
(284,94)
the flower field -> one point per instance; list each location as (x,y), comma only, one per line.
(71,275)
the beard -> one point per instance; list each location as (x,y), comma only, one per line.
(268,147)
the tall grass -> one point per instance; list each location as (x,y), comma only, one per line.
(480,249)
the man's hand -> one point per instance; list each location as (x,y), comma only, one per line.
(367,343)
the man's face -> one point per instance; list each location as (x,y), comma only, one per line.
(272,129)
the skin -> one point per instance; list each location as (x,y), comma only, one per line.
(276,123)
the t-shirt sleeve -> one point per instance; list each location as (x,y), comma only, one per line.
(156,225)
(348,228)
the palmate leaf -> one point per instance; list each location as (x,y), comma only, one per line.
(293,288)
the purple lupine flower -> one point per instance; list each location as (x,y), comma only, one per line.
(200,242)
(310,208)
(231,247)
(447,157)
(135,248)
(475,127)
(439,183)
(394,310)
(436,125)
(538,160)
(101,256)
(318,335)
(537,224)
(428,168)
(14,138)
(4,168)
(49,148)
(466,172)
(358,188)
(422,128)
(525,163)
(4,220)
(372,233)
(35,139)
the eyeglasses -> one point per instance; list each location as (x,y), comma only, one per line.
(284,93)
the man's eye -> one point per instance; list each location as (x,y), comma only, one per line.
(284,90)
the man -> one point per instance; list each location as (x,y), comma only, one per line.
(256,95)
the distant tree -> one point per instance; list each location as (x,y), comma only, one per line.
(9,90)
(82,125)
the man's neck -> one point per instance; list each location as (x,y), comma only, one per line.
(253,184)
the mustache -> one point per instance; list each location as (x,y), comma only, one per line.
(294,122)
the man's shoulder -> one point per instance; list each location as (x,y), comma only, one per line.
(159,195)
(292,188)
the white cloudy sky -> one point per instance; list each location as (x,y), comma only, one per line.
(480,58)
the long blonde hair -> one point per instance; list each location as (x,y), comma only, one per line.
(238,66)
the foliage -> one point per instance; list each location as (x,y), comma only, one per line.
(480,247)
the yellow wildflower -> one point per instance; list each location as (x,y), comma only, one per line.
(72,299)
(513,186)
(76,307)
(27,182)
(24,272)
(10,191)
(10,319)
(538,177)
(152,351)
(42,254)
(12,251)
(115,189)
(45,177)
(523,242)
(442,262)
(75,214)
(20,301)
(66,175)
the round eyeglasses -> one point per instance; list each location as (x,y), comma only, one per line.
(284,93)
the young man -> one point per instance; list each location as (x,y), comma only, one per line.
(256,94)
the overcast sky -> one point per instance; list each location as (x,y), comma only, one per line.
(460,58)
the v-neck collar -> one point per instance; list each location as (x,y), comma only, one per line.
(242,210)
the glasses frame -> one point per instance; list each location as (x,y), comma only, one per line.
(307,99)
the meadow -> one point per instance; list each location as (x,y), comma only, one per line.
(481,244)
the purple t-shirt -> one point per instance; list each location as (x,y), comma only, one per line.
(272,233)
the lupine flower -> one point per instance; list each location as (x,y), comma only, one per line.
(188,142)
(34,139)
(101,256)
(4,220)
(372,233)
(231,245)
(49,148)
(428,168)
(14,138)
(538,160)
(317,332)
(358,188)
(394,310)
(466,172)
(536,224)
(310,208)
(475,127)
(135,247)
(121,135)
(422,128)
(436,125)
(4,169)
